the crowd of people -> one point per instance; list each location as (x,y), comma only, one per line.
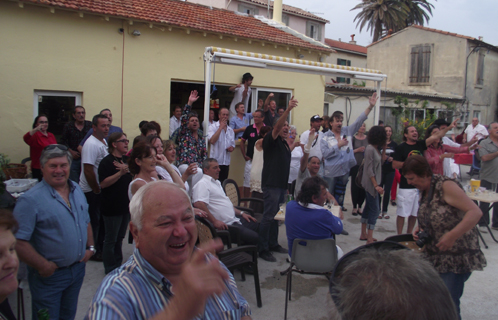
(94,186)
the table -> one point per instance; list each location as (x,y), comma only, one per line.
(463,158)
(489,197)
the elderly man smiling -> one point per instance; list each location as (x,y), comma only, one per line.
(167,277)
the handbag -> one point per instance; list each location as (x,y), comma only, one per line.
(359,175)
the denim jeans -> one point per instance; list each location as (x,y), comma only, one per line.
(268,228)
(75,172)
(115,231)
(93,200)
(455,282)
(332,182)
(57,293)
(371,211)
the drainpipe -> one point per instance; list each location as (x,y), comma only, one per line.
(277,10)
(475,49)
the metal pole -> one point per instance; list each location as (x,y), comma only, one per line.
(377,105)
(207,93)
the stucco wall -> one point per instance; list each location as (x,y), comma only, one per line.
(356,59)
(61,51)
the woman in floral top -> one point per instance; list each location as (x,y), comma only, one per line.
(449,218)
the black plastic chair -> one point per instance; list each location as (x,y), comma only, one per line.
(233,258)
(232,191)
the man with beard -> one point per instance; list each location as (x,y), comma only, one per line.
(407,198)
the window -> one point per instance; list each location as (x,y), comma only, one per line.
(343,62)
(480,69)
(58,106)
(446,115)
(477,114)
(326,109)
(285,19)
(420,66)
(247,9)
(314,30)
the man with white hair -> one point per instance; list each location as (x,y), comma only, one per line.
(167,277)
(475,129)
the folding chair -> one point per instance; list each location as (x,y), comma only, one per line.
(316,257)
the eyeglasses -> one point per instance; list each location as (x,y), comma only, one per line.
(55,146)
(124,140)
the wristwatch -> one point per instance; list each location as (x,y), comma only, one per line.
(92,249)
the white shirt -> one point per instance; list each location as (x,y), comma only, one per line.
(315,150)
(226,139)
(296,156)
(92,153)
(174,124)
(211,193)
(166,176)
(479,131)
(237,97)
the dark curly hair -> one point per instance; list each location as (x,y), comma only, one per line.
(311,187)
(377,136)
(429,130)
(140,151)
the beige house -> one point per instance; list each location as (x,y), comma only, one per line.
(137,59)
(347,54)
(429,62)
(297,19)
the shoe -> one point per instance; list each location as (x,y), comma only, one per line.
(355,212)
(386,216)
(344,209)
(248,269)
(97,257)
(267,256)
(393,203)
(344,232)
(483,229)
(279,249)
(494,228)
(380,217)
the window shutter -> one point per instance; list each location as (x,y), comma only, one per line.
(256,11)
(319,33)
(420,64)
(480,69)
(308,29)
(413,65)
(426,62)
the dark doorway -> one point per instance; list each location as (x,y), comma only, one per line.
(58,110)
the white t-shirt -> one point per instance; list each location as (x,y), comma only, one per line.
(237,97)
(174,124)
(92,153)
(226,139)
(296,156)
(315,150)
(479,131)
(211,193)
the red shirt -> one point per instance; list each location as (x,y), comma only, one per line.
(37,143)
(432,155)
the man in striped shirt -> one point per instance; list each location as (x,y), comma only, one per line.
(167,277)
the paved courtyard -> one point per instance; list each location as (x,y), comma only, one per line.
(310,293)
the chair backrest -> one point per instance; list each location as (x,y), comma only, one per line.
(406,240)
(314,255)
(232,191)
(205,231)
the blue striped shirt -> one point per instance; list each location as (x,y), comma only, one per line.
(138,291)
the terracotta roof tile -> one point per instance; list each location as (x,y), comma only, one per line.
(187,15)
(291,9)
(345,46)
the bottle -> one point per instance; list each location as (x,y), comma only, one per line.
(43,314)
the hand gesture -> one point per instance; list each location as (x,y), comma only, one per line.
(372,100)
(193,97)
(342,143)
(292,104)
(200,279)
(474,140)
(223,124)
(192,169)
(239,85)
(271,95)
(312,135)
(453,124)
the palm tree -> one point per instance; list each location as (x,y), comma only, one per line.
(381,15)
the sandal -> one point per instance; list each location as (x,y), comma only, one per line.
(380,216)
(365,239)
(355,212)
(393,203)
(386,216)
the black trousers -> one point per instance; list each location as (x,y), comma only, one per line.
(224,173)
(485,207)
(247,232)
(357,193)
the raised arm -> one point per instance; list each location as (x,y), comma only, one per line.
(306,150)
(441,133)
(281,121)
(371,103)
(267,102)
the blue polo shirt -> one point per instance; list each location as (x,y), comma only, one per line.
(55,230)
(237,123)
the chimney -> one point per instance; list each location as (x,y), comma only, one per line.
(480,38)
(352,39)
(277,10)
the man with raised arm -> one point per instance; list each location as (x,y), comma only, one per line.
(276,167)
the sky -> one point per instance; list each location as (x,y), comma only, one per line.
(471,18)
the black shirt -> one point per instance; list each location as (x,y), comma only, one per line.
(403,151)
(387,166)
(276,166)
(269,119)
(114,200)
(251,136)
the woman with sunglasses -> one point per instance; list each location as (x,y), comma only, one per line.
(114,178)
(37,139)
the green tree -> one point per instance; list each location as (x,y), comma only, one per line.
(379,16)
